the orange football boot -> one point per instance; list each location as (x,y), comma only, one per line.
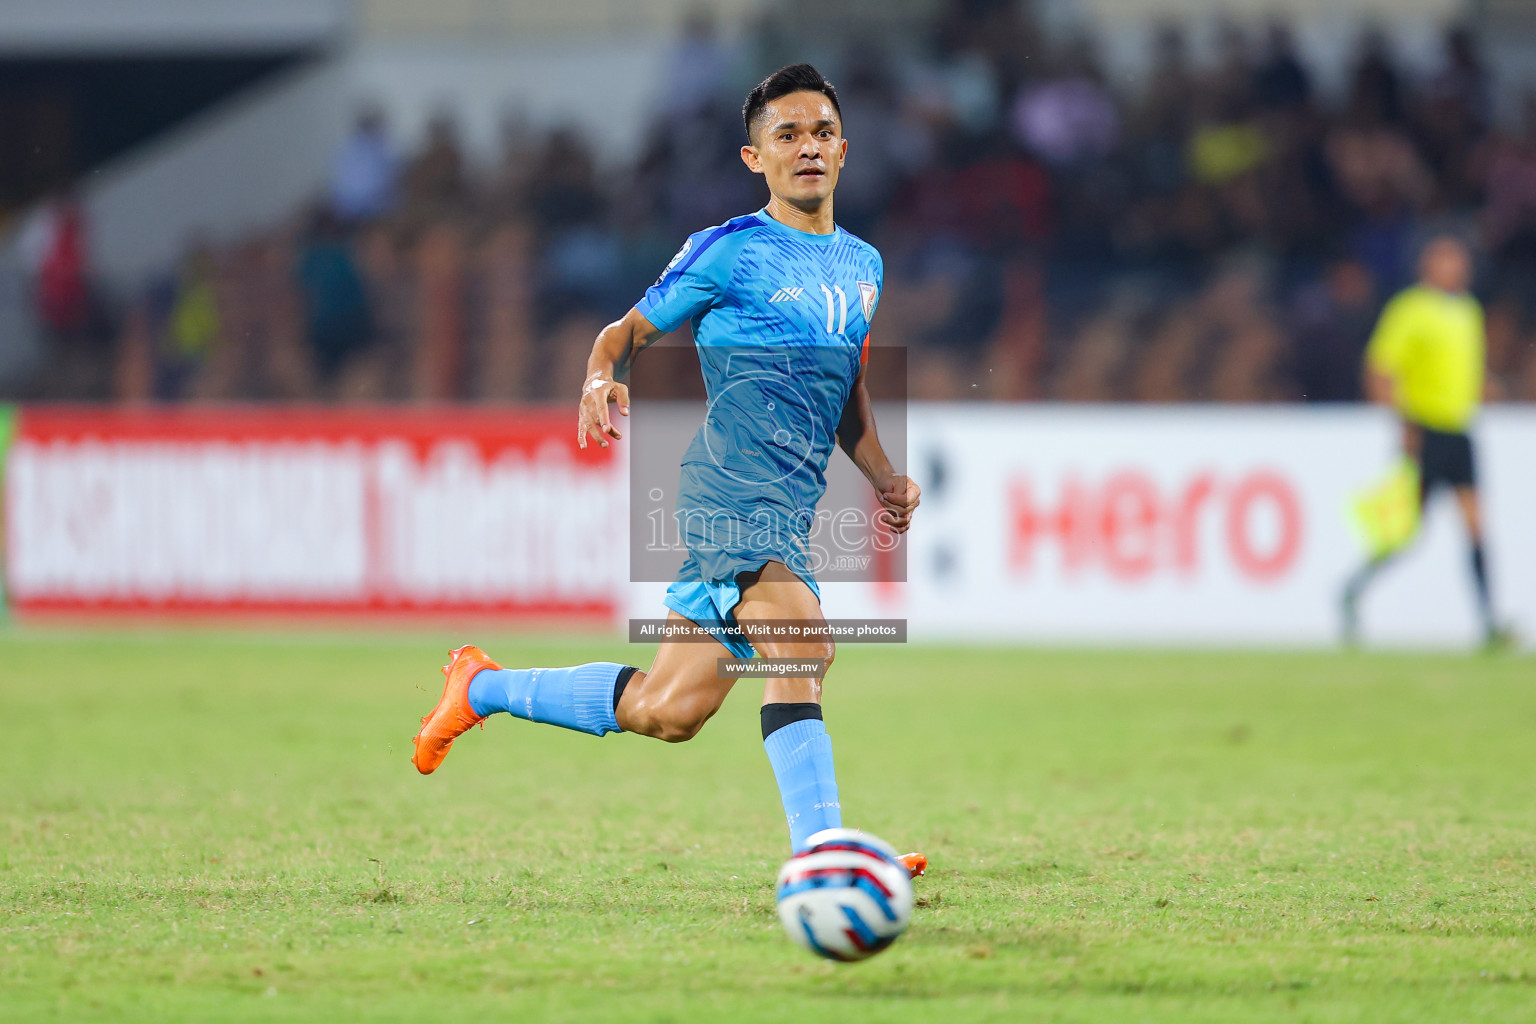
(916,863)
(453,715)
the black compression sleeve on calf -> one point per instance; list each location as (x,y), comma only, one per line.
(620,683)
(777,716)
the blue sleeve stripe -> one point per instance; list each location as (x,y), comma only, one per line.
(736,224)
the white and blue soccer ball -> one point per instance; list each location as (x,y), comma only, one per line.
(845,896)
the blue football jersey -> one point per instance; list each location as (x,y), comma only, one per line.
(781,322)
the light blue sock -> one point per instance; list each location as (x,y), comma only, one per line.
(579,698)
(801,755)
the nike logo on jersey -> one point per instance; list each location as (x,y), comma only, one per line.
(787,295)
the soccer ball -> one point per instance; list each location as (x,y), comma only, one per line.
(845,896)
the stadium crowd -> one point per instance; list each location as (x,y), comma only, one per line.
(1223,232)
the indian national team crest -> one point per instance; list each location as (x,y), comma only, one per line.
(681,253)
(868,293)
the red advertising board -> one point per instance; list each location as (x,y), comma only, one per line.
(292,511)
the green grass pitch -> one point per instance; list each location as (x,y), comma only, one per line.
(203,827)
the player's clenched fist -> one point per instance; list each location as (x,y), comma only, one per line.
(899,498)
(594,420)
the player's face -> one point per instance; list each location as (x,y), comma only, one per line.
(800,148)
(1446,265)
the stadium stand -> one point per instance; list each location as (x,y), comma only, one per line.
(1223,229)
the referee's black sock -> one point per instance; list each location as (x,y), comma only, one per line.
(1480,576)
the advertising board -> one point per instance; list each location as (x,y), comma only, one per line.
(300,510)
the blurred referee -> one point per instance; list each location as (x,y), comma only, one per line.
(1426,361)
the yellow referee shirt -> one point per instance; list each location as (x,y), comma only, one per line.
(1431,344)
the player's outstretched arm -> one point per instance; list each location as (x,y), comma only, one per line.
(856,434)
(613,353)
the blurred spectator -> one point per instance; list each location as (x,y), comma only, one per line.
(337,318)
(193,324)
(1509,213)
(362,183)
(434,181)
(1165,104)
(1000,201)
(1281,81)
(582,258)
(954,83)
(1221,153)
(698,65)
(1069,119)
(63,292)
(886,141)
(54,246)
(194,327)
(1463,84)
(21,345)
(1509,221)
(1375,96)
(1230,82)
(1379,173)
(563,190)
(1332,320)
(510,179)
(1453,115)
(381,371)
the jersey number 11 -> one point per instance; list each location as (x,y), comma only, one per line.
(838,314)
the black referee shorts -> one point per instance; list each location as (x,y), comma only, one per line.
(1445,460)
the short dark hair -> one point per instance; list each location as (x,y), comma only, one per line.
(788,79)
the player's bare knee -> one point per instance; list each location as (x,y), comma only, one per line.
(645,719)
(681,724)
(673,722)
(824,652)
(678,732)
